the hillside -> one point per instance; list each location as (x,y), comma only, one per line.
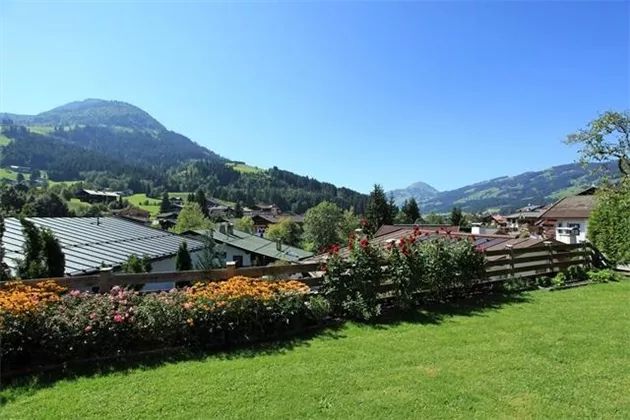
(507,193)
(91,112)
(111,144)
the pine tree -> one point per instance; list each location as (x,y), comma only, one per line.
(32,266)
(183,262)
(4,269)
(238,210)
(457,218)
(200,198)
(393,208)
(411,210)
(54,258)
(378,209)
(165,204)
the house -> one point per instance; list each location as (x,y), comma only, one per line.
(570,216)
(23,169)
(220,211)
(524,216)
(250,250)
(388,229)
(266,208)
(167,220)
(264,220)
(89,243)
(494,220)
(93,196)
(133,214)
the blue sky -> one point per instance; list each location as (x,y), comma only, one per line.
(348,92)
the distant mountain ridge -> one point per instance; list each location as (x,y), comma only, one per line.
(419,190)
(96,112)
(506,194)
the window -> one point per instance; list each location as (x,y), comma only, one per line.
(238,259)
(575,226)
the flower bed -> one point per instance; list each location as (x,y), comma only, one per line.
(46,324)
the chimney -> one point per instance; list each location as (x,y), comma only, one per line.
(278,245)
(230,229)
(222,228)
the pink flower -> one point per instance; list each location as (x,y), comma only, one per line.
(116,290)
(118,318)
(75,293)
(88,328)
(92,315)
(172,291)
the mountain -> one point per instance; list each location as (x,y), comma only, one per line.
(96,112)
(419,190)
(112,144)
(506,194)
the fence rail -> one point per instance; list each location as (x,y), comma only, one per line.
(522,263)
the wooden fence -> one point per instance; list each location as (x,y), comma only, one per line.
(501,265)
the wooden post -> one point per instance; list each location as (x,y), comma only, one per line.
(106,278)
(511,249)
(231,269)
(550,248)
(587,259)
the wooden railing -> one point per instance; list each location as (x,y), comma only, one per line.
(501,265)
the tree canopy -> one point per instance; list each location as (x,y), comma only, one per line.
(321,225)
(285,231)
(190,218)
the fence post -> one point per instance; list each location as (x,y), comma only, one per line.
(231,269)
(106,276)
(587,259)
(550,248)
(511,249)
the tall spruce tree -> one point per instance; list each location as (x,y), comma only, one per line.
(165,204)
(457,217)
(411,210)
(183,262)
(4,269)
(54,258)
(378,209)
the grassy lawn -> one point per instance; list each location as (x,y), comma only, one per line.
(539,355)
(241,167)
(4,140)
(137,199)
(76,204)
(10,174)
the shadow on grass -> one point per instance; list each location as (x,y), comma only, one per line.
(14,387)
(431,313)
(438,311)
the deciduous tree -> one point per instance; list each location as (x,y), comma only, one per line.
(321,225)
(190,218)
(285,231)
(245,224)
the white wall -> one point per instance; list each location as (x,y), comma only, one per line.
(168,264)
(583,226)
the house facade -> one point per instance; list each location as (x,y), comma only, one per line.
(570,216)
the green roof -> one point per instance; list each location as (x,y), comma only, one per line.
(257,245)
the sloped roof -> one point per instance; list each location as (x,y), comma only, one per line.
(255,244)
(525,215)
(277,219)
(87,243)
(387,229)
(574,207)
(101,193)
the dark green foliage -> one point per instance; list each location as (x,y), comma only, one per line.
(238,210)
(32,266)
(200,198)
(211,256)
(411,210)
(609,223)
(165,204)
(4,269)
(604,276)
(379,211)
(50,205)
(19,177)
(457,218)
(43,256)
(54,258)
(135,264)
(183,262)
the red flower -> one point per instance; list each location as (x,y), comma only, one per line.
(363,222)
(324,268)
(364,243)
(118,318)
(334,249)
(88,328)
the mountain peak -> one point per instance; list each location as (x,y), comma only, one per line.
(100,112)
(423,186)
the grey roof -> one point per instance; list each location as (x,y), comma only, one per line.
(101,193)
(257,245)
(525,215)
(87,244)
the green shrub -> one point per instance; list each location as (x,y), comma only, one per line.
(604,276)
(559,279)
(42,327)
(544,281)
(351,284)
(576,273)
